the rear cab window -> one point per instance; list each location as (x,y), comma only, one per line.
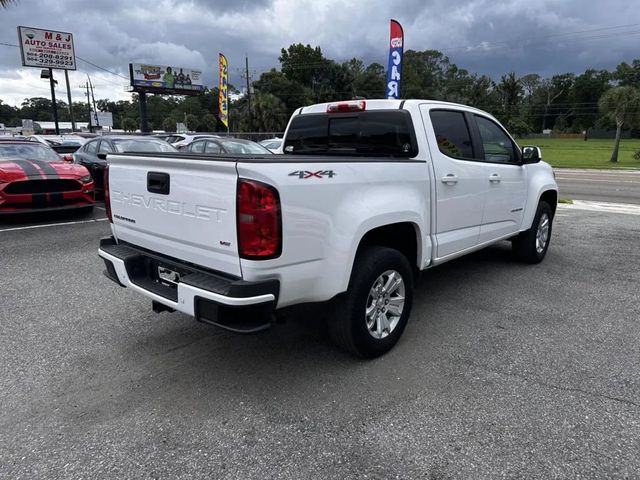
(452,133)
(385,133)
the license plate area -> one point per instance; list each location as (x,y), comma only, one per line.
(167,276)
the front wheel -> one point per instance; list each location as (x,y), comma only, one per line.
(531,246)
(370,318)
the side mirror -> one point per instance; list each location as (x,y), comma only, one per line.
(102,156)
(531,154)
(68,158)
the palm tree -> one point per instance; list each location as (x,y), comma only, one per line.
(622,105)
(6,3)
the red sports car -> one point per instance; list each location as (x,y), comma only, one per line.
(33,177)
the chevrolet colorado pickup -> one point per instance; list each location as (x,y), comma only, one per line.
(366,194)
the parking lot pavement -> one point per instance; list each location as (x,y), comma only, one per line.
(616,186)
(504,370)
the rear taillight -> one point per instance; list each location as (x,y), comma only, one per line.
(259,222)
(107,200)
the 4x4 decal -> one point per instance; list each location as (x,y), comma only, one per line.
(319,174)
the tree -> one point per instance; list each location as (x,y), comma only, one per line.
(510,91)
(269,113)
(209,122)
(370,82)
(192,122)
(585,94)
(302,63)
(622,105)
(628,75)
(169,124)
(129,124)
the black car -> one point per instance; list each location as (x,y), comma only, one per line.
(87,155)
(227,145)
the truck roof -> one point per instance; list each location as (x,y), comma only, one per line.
(382,104)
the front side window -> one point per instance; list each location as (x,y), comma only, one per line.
(105,147)
(498,147)
(196,147)
(91,147)
(452,133)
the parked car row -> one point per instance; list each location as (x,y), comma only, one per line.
(49,172)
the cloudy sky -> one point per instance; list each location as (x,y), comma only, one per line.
(485,36)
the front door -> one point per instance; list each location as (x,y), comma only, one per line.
(505,179)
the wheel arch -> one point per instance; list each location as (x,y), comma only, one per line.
(551,197)
(404,237)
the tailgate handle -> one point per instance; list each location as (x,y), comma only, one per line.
(158,182)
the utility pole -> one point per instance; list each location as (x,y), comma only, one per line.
(73,122)
(89,103)
(53,100)
(248,77)
(95,110)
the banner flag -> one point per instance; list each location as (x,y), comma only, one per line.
(223,99)
(394,67)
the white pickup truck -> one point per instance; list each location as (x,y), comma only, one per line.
(366,195)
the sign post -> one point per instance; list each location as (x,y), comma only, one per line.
(47,49)
(53,100)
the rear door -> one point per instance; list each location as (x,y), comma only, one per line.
(460,183)
(183,208)
(505,179)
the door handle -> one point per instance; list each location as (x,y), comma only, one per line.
(450,178)
(495,178)
(158,182)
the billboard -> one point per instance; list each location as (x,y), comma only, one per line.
(223,99)
(394,67)
(46,48)
(101,119)
(165,79)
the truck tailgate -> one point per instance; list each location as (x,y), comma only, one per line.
(183,208)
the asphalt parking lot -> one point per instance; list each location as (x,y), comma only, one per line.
(505,371)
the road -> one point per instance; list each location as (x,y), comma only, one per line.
(616,186)
(504,370)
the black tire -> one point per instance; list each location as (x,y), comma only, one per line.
(348,320)
(525,246)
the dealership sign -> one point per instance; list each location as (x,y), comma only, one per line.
(165,79)
(46,48)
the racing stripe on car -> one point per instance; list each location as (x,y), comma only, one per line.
(55,198)
(38,200)
(28,168)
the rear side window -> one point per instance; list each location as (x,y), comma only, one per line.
(452,133)
(374,133)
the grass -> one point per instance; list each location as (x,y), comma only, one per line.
(566,200)
(576,153)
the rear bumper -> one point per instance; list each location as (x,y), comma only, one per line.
(207,296)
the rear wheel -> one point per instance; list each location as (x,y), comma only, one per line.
(531,246)
(370,318)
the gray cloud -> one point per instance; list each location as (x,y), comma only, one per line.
(488,37)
